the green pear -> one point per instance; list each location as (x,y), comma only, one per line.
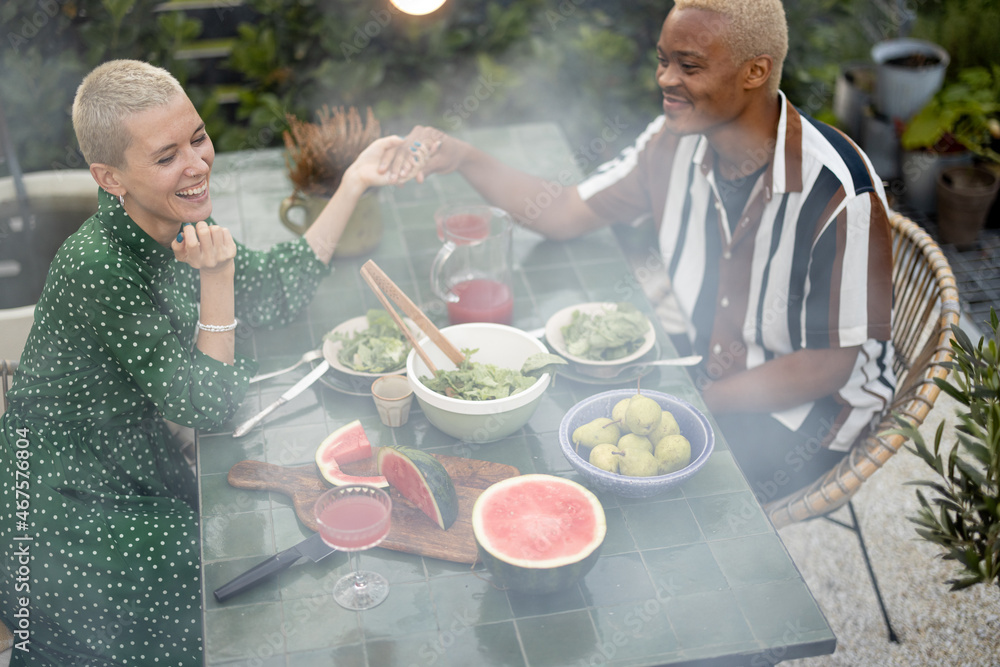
(596,432)
(668,426)
(642,415)
(630,440)
(673,453)
(605,457)
(637,463)
(618,413)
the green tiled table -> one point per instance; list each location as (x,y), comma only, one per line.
(696,576)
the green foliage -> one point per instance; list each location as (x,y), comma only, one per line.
(50,45)
(967,29)
(816,54)
(966,109)
(587,64)
(963,517)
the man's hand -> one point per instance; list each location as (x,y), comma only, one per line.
(209,248)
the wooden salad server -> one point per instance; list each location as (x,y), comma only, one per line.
(382,285)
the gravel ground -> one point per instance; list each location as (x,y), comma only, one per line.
(935,626)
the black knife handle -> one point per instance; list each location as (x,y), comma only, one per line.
(276,563)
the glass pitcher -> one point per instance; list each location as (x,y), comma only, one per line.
(472,271)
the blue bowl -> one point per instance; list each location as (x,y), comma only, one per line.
(693,424)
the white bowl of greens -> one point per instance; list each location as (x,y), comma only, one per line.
(498,354)
(599,337)
(368,346)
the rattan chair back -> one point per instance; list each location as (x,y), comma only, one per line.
(925,307)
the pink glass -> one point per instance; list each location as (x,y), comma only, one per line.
(353,518)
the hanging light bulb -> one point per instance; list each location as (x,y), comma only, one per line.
(418,7)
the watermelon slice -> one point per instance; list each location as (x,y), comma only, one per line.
(346,445)
(421,479)
(538,533)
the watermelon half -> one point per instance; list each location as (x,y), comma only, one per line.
(346,445)
(538,533)
(421,479)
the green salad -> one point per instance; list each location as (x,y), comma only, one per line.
(605,336)
(381,348)
(474,381)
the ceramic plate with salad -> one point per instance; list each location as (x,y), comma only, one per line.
(600,334)
(370,345)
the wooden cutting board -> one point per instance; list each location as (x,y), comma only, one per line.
(412,531)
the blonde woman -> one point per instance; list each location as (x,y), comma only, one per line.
(136,326)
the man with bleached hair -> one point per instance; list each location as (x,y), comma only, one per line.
(773,228)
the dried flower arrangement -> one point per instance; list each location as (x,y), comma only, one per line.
(319,153)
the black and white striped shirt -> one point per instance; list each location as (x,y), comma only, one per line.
(807,265)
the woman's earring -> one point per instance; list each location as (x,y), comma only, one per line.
(121,200)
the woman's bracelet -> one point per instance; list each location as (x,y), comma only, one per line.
(218,328)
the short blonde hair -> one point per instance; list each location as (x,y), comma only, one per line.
(756,28)
(107,97)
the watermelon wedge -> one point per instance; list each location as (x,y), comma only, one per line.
(421,479)
(346,445)
(538,533)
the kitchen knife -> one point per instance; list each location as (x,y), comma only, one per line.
(313,548)
(296,389)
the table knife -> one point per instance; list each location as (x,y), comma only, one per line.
(313,548)
(296,389)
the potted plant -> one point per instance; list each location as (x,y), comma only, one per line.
(961,117)
(317,156)
(964,518)
(907,72)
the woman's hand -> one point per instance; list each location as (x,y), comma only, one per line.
(209,248)
(366,168)
(444,155)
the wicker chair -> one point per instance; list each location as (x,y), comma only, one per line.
(926,305)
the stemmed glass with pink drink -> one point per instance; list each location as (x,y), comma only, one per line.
(353,518)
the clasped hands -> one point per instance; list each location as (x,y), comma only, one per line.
(422,152)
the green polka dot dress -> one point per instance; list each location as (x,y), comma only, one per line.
(97,492)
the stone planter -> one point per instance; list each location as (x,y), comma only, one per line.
(965,195)
(59,201)
(908,72)
(852,95)
(881,143)
(920,170)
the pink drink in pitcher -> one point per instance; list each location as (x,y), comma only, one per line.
(352,523)
(462,228)
(481,300)
(472,271)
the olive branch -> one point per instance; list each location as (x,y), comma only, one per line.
(964,517)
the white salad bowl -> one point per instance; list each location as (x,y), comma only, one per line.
(478,421)
(591,367)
